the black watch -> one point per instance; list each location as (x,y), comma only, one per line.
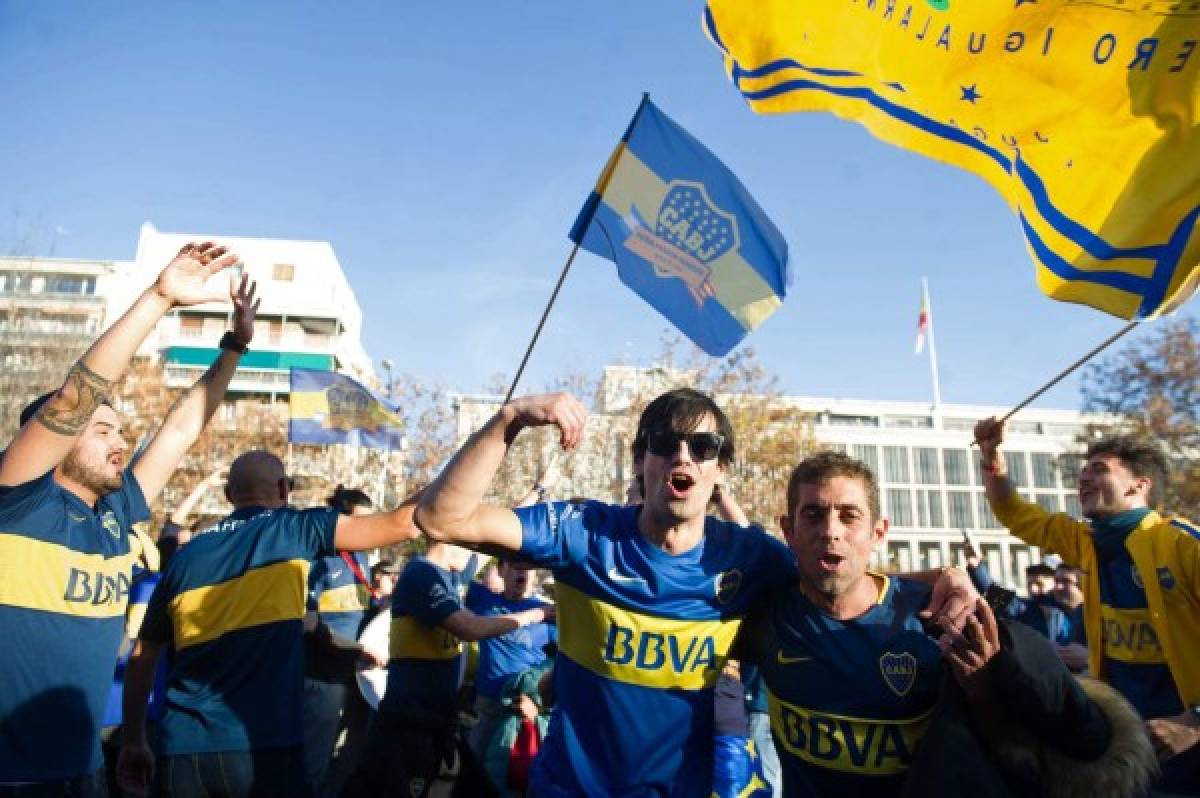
(229,341)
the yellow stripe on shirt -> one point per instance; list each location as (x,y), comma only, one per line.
(38,575)
(636,648)
(260,596)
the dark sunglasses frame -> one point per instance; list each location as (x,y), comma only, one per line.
(702,445)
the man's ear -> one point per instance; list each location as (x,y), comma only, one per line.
(639,463)
(879,533)
(785,525)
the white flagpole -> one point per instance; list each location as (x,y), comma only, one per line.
(933,364)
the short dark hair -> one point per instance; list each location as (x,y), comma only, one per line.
(344,500)
(682,410)
(1141,456)
(30,410)
(823,466)
(1038,569)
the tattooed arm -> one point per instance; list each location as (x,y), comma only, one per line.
(194,409)
(43,442)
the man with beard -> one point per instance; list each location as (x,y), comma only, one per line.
(649,597)
(67,506)
(1141,585)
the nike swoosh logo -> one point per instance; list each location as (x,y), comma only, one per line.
(782,660)
(617,576)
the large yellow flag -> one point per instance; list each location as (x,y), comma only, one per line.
(1082,113)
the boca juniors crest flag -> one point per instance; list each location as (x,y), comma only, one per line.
(1082,114)
(685,234)
(327,407)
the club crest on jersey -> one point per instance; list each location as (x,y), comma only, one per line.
(899,671)
(111,525)
(727,585)
(1166,578)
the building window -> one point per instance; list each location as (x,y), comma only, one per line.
(900,506)
(908,422)
(959,502)
(1069,465)
(283,272)
(191,326)
(69,284)
(929,509)
(1018,472)
(869,454)
(1073,508)
(1049,502)
(986,519)
(275,332)
(954,461)
(842,420)
(1043,470)
(895,463)
(927,466)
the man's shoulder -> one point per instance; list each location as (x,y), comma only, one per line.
(1189,528)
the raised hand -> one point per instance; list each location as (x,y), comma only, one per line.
(953,600)
(245,308)
(989,434)
(969,651)
(553,409)
(183,280)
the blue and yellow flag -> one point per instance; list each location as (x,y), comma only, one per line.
(1082,114)
(327,407)
(685,234)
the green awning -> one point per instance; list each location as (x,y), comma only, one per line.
(254,359)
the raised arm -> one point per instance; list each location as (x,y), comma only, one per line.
(451,509)
(469,627)
(41,444)
(989,434)
(195,408)
(180,514)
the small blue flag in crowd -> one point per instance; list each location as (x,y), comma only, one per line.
(685,234)
(327,407)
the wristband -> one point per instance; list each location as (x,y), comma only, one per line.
(230,342)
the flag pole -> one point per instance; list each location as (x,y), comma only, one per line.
(541,323)
(1057,379)
(933,363)
(605,175)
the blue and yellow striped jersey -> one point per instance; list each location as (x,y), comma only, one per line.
(64,586)
(425,665)
(336,595)
(643,636)
(232,603)
(849,700)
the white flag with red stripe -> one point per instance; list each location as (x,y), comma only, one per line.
(922,323)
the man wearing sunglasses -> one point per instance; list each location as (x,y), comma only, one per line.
(650,597)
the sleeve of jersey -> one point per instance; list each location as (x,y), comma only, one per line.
(317,527)
(428,596)
(156,626)
(1057,532)
(316,584)
(18,499)
(476,597)
(553,534)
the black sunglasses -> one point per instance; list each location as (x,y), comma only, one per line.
(702,445)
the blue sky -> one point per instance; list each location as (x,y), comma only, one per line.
(445,149)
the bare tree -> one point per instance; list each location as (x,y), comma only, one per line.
(1154,385)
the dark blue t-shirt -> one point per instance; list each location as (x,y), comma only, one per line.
(337,595)
(425,667)
(232,603)
(64,587)
(849,700)
(508,654)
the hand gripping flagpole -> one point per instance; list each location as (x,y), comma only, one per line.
(557,287)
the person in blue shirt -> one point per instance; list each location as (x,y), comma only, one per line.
(232,605)
(68,502)
(416,726)
(339,597)
(506,655)
(649,597)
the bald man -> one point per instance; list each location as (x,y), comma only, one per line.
(232,604)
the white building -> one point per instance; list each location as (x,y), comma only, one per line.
(309,318)
(931,486)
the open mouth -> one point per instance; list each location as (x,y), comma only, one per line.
(680,483)
(830,562)
(116,460)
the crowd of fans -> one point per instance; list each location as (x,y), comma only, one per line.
(663,647)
